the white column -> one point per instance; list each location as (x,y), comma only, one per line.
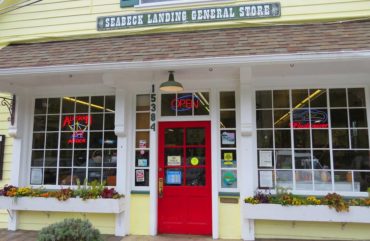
(248,163)
(122,104)
(19,166)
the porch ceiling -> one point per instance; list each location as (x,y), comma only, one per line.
(252,41)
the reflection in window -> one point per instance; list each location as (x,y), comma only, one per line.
(324,131)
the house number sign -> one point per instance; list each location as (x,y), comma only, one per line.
(153,109)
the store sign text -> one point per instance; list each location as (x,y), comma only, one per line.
(78,125)
(309,119)
(250,11)
(185,103)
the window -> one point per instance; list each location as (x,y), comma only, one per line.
(313,139)
(185,104)
(73,139)
(228,140)
(142,144)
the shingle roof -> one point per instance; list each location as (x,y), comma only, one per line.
(246,41)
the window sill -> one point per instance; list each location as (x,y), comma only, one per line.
(71,205)
(319,213)
(177,3)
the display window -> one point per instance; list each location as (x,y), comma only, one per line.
(73,141)
(313,139)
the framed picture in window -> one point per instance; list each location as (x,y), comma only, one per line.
(265,159)
(266,179)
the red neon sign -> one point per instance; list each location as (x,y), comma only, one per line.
(185,103)
(78,124)
(299,125)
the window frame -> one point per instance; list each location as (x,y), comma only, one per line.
(292,149)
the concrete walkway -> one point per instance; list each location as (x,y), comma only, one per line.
(21,235)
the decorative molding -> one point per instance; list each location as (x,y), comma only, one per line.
(246,129)
(10,104)
(13,131)
(119,130)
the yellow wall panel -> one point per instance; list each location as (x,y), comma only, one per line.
(52,19)
(229,220)
(311,230)
(37,220)
(139,214)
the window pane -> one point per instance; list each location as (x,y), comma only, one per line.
(37,159)
(263,99)
(79,158)
(349,159)
(51,158)
(303,180)
(343,181)
(97,104)
(185,104)
(95,158)
(39,123)
(65,176)
(359,138)
(79,174)
(66,140)
(110,158)
(323,181)
(339,118)
(110,103)
(109,121)
(264,119)
(302,139)
(195,177)
(356,97)
(38,140)
(203,108)
(195,136)
(318,98)
(282,118)
(174,136)
(228,158)
(52,140)
(281,98)
(110,139)
(284,179)
(229,179)
(300,98)
(168,104)
(174,156)
(264,138)
(358,118)
(142,120)
(96,139)
(321,159)
(94,174)
(109,176)
(82,104)
(143,102)
(142,158)
(96,122)
(361,179)
(283,159)
(227,119)
(340,138)
(228,138)
(320,138)
(141,177)
(142,139)
(40,106)
(195,156)
(282,139)
(65,159)
(227,100)
(53,105)
(303,159)
(50,176)
(68,105)
(338,98)
(53,123)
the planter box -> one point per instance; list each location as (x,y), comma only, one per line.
(320,213)
(71,205)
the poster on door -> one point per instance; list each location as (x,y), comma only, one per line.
(140,176)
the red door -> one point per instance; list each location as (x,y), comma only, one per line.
(184,178)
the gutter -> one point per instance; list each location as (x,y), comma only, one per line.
(188,63)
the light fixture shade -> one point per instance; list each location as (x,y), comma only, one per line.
(171,85)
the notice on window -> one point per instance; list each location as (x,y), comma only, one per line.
(36,176)
(174,160)
(228,138)
(265,159)
(266,179)
(142,162)
(173,177)
(139,176)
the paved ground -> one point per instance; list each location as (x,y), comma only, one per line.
(6,235)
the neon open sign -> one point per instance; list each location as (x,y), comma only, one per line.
(309,119)
(185,103)
(78,125)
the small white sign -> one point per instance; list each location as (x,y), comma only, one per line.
(174,160)
(266,179)
(36,176)
(140,176)
(265,159)
(142,162)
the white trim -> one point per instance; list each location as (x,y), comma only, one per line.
(177,3)
(183,63)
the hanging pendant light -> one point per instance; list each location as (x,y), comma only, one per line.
(171,85)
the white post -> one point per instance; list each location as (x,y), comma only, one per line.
(122,219)
(248,164)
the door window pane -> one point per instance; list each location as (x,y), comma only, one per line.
(195,156)
(195,177)
(195,136)
(174,136)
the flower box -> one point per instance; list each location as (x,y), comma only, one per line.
(71,205)
(319,213)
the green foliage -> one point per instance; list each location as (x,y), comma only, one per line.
(91,190)
(70,230)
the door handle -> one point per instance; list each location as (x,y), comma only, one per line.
(160,187)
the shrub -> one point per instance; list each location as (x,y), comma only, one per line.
(70,230)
